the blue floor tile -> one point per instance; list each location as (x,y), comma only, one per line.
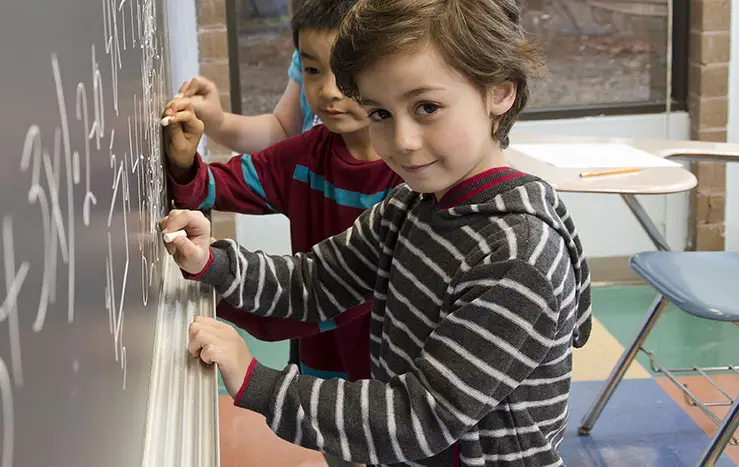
(640,427)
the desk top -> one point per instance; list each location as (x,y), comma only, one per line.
(658,180)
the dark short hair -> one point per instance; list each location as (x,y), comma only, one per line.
(320,15)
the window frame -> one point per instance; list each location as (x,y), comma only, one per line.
(234,69)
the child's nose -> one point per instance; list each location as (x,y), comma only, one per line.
(407,138)
(329,90)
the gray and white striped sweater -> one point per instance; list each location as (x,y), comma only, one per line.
(478,301)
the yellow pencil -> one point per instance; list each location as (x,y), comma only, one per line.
(598,173)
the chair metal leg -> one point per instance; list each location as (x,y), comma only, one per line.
(623,364)
(721,438)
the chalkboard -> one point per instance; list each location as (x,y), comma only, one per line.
(81,182)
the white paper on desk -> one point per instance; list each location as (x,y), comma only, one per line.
(596,156)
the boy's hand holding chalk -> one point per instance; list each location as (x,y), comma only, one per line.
(187,238)
(182,130)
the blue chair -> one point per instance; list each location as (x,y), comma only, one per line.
(704,284)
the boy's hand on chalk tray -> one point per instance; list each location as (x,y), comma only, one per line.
(216,342)
(183,131)
(191,253)
(206,100)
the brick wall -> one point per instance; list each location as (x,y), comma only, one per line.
(708,104)
(213,36)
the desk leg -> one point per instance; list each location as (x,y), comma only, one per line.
(646,222)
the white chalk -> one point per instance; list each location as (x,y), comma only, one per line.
(165,121)
(169,237)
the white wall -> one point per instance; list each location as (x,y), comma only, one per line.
(184,52)
(732,170)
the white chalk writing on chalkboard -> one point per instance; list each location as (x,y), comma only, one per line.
(112,45)
(6,404)
(9,309)
(60,167)
(115,308)
(87,131)
(32,150)
(123,23)
(61,102)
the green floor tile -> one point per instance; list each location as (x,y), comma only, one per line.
(271,354)
(678,340)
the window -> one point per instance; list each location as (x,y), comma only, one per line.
(607,56)
(603,56)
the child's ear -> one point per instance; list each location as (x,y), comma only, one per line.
(500,98)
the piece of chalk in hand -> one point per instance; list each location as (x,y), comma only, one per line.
(169,237)
(165,121)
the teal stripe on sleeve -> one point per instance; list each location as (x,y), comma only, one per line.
(327,325)
(343,197)
(252,179)
(209,200)
(321,373)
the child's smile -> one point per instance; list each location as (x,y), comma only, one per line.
(429,123)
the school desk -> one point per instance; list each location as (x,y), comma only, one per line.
(647,181)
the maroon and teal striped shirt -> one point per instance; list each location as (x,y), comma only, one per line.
(314,181)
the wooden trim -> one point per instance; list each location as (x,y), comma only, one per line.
(612,270)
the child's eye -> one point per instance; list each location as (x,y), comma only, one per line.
(378,115)
(427,108)
(311,71)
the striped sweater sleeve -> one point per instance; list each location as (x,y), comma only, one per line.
(497,331)
(334,276)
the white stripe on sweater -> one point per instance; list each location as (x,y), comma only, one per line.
(391,424)
(278,294)
(417,282)
(510,237)
(292,372)
(345,451)
(348,288)
(314,395)
(418,427)
(425,228)
(492,338)
(540,246)
(364,396)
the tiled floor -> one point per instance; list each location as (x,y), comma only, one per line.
(646,424)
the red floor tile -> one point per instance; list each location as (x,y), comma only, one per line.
(707,393)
